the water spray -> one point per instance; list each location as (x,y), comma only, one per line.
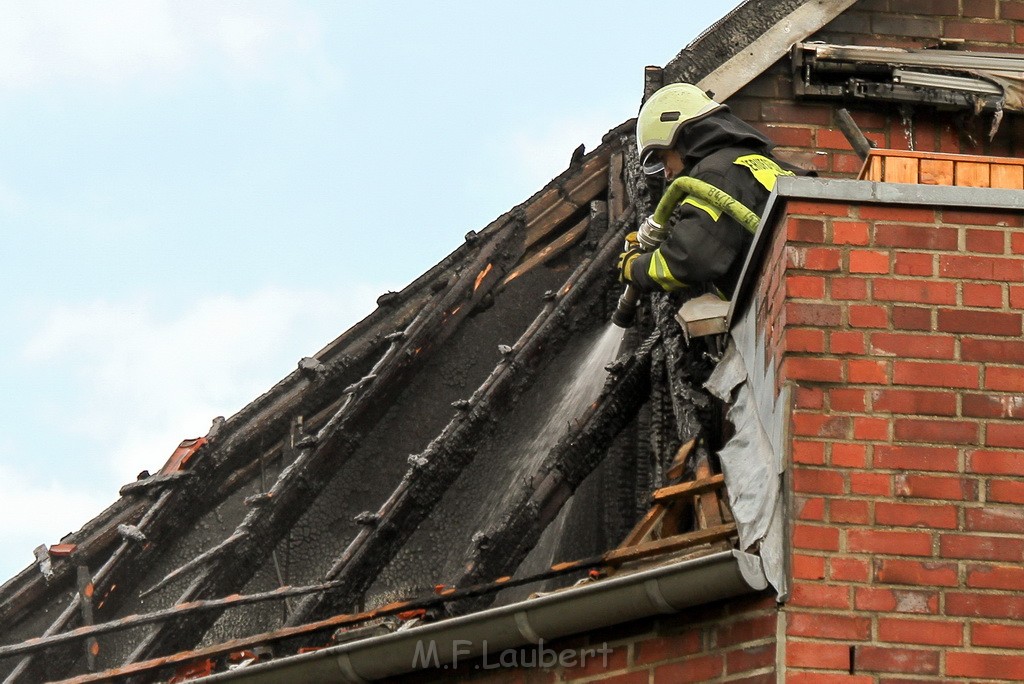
(653,232)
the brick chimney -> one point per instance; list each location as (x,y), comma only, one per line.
(896,321)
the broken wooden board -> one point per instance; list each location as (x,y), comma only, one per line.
(668,544)
(693,488)
(551,250)
(935,168)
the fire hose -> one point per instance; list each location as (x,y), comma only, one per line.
(653,231)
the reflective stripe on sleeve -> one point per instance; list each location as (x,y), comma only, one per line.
(658,271)
(713,211)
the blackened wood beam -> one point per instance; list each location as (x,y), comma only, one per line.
(151,668)
(235,561)
(860,144)
(19,596)
(686,369)
(85,633)
(500,549)
(434,470)
(71,616)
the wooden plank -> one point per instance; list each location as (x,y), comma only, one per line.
(643,529)
(553,248)
(900,170)
(912,154)
(670,544)
(675,471)
(695,487)
(1007,176)
(972,174)
(584,186)
(656,513)
(936,172)
(706,505)
(934,169)
(872,168)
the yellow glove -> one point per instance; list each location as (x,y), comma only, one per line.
(631,250)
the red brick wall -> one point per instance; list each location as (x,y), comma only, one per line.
(808,131)
(901,331)
(732,641)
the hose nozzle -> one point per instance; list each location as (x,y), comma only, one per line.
(625,310)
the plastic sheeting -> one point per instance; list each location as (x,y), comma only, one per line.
(753,460)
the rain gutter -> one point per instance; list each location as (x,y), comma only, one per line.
(460,641)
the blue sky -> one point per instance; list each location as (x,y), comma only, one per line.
(194,195)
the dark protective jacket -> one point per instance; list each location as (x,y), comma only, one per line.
(705,245)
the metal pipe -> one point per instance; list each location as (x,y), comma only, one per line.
(860,144)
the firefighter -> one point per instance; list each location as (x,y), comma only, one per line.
(680,130)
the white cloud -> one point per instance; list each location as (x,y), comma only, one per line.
(143,381)
(145,41)
(34,513)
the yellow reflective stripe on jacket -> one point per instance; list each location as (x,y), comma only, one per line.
(765,170)
(715,212)
(658,271)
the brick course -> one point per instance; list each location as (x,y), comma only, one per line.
(912,559)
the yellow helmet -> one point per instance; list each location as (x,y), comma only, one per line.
(663,116)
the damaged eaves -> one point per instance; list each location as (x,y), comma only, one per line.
(946,79)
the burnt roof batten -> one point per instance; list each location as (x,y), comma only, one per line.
(449,453)
(299,484)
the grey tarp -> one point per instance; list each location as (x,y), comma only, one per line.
(752,461)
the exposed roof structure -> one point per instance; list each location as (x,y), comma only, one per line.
(450,438)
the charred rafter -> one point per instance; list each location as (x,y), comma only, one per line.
(500,549)
(686,369)
(436,468)
(71,615)
(228,567)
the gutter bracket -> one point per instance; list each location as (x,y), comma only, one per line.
(345,667)
(653,591)
(751,569)
(525,629)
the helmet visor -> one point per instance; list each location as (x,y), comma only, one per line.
(652,163)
